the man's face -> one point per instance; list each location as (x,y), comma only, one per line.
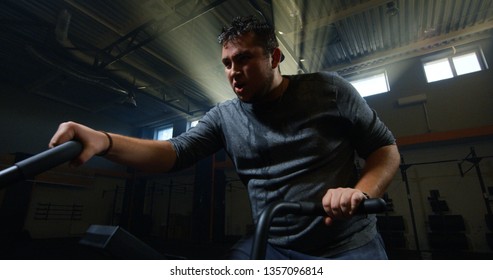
(248,69)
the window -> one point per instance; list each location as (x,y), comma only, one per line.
(163,133)
(438,70)
(445,65)
(370,83)
(466,63)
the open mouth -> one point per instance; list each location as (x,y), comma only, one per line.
(238,87)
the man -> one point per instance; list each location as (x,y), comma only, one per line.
(290,138)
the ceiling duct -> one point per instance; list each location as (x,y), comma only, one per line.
(61,32)
(98,81)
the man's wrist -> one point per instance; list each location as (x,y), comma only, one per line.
(110,144)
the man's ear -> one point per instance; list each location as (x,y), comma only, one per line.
(276,57)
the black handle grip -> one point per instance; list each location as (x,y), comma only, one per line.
(32,166)
(368,206)
(372,206)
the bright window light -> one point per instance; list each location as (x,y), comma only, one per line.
(466,63)
(191,124)
(438,70)
(454,65)
(163,133)
(194,123)
(371,85)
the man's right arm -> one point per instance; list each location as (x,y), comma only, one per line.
(142,154)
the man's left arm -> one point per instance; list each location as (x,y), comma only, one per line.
(380,167)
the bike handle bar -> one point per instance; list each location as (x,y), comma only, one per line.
(32,166)
(368,206)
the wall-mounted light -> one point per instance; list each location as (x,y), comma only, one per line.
(411,100)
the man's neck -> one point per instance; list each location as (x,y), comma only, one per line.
(278,91)
(275,96)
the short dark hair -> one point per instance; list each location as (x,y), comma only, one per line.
(264,32)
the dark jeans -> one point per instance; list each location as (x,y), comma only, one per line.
(373,250)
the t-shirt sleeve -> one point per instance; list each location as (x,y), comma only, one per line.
(199,142)
(368,133)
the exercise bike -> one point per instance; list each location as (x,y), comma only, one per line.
(123,245)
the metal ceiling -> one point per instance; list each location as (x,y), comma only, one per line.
(98,55)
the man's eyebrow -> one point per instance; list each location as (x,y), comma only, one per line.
(242,53)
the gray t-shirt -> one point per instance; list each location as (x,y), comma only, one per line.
(294,149)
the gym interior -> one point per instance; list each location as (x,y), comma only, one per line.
(139,68)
